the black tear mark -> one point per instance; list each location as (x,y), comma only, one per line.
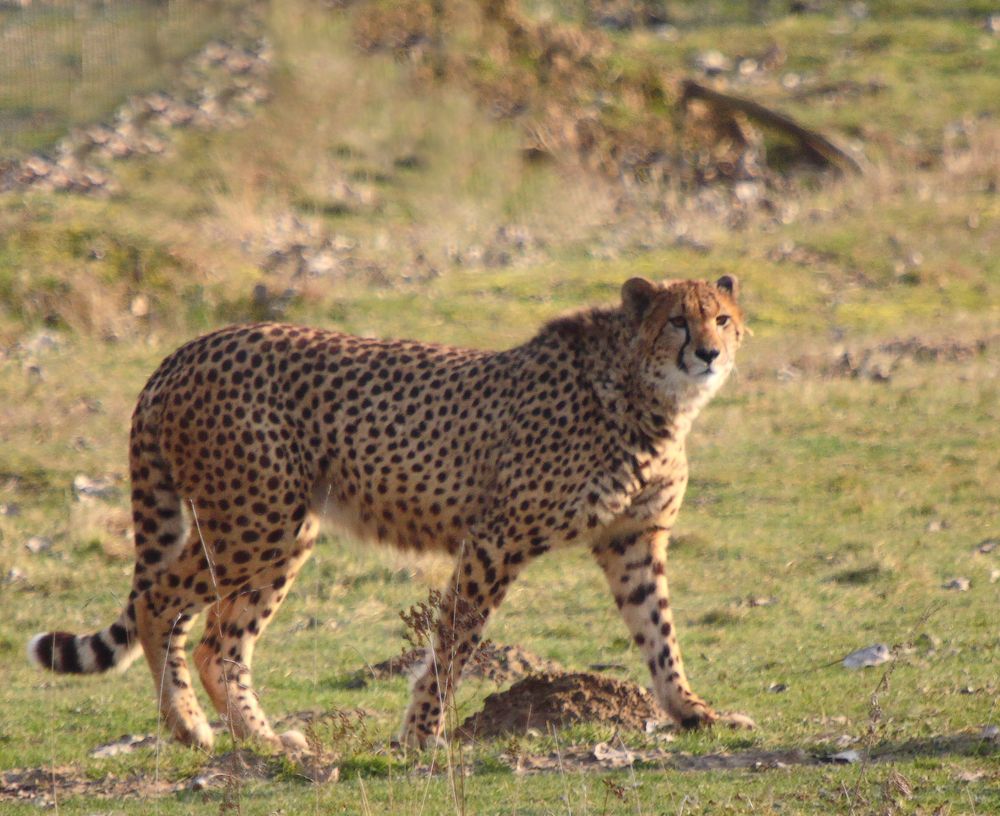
(680,354)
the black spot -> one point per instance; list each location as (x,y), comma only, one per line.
(640,593)
(69,660)
(104,657)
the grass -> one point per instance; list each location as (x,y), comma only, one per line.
(848,501)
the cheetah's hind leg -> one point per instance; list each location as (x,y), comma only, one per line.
(163,629)
(225,653)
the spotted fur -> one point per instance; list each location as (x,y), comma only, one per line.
(243,439)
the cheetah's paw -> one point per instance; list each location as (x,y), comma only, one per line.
(737,721)
(698,714)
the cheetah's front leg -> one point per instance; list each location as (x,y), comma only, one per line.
(635,566)
(481,579)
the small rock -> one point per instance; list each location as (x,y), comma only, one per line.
(178,116)
(664,729)
(152,145)
(318,771)
(958,584)
(15,575)
(790,81)
(990,732)
(613,757)
(666,32)
(777,688)
(713,62)
(91,177)
(99,134)
(994,576)
(937,525)
(123,745)
(41,343)
(139,306)
(987,545)
(36,167)
(38,544)
(874,655)
(737,721)
(202,781)
(845,757)
(747,192)
(98,488)
(118,147)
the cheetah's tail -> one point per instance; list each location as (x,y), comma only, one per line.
(114,647)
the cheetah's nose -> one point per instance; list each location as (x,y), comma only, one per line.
(706,354)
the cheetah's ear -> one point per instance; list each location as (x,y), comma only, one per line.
(729,285)
(637,295)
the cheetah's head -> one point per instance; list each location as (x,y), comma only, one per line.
(686,333)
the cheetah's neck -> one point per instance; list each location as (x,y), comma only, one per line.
(602,342)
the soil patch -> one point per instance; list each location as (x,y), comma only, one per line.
(499,664)
(46,786)
(558,700)
(602,756)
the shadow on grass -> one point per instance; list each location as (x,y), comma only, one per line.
(968,745)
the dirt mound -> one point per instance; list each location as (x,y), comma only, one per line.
(545,75)
(562,699)
(500,664)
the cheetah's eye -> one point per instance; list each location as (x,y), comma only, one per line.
(722,320)
(678,322)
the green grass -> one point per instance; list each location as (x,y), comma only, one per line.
(763,518)
(868,80)
(69,64)
(848,501)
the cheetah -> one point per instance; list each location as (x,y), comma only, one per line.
(245,438)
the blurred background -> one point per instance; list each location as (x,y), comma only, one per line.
(232,160)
